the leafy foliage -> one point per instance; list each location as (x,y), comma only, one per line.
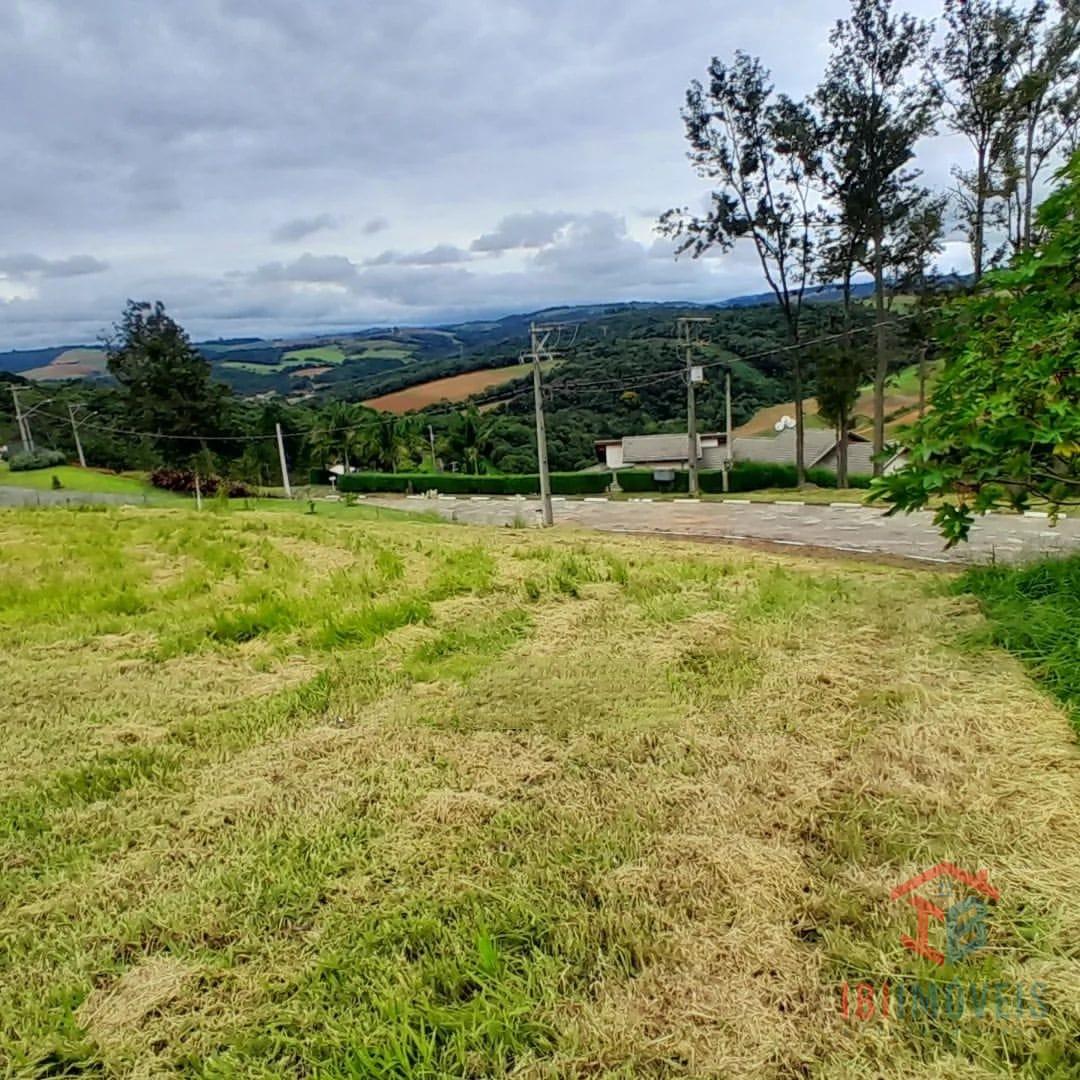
(166,382)
(38,459)
(1005,423)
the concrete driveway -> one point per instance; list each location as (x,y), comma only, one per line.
(840,527)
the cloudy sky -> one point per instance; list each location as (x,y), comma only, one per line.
(272,166)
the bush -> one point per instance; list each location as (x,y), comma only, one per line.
(464,483)
(318,476)
(39,459)
(183,481)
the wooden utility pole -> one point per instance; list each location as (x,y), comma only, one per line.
(284,464)
(538,339)
(728,451)
(75,433)
(23,423)
(684,332)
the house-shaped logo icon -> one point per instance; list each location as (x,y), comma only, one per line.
(952,896)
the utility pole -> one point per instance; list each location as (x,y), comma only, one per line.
(727,423)
(685,331)
(538,339)
(24,426)
(431,439)
(75,432)
(284,463)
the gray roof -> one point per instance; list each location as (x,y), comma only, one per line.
(645,448)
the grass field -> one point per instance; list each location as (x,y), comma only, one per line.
(346,797)
(452,388)
(72,478)
(325,354)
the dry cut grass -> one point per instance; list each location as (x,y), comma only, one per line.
(297,796)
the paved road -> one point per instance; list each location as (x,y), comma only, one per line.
(849,527)
(16,496)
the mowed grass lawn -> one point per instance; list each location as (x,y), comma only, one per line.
(285,795)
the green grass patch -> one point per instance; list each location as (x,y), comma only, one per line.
(354,794)
(1034,612)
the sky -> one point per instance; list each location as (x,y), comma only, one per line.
(271,167)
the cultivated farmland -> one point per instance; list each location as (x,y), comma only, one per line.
(288,795)
(452,388)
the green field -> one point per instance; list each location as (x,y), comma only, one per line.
(72,478)
(290,795)
(325,354)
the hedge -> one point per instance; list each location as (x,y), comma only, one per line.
(463,483)
(39,459)
(745,476)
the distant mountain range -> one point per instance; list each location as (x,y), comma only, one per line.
(305,363)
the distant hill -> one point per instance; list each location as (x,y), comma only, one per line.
(375,361)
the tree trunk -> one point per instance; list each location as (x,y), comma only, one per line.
(800,447)
(978,238)
(1029,182)
(882,361)
(922,381)
(841,454)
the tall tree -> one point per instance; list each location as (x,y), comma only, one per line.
(1045,108)
(759,149)
(1005,424)
(975,69)
(876,103)
(168,391)
(841,367)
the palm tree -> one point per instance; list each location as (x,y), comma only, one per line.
(468,439)
(387,444)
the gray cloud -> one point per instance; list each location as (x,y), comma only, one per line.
(308,270)
(436,256)
(298,228)
(527,230)
(24,266)
(375,225)
(518,148)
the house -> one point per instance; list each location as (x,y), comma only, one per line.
(672,451)
(654,451)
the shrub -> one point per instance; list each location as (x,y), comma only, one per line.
(39,459)
(318,476)
(183,481)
